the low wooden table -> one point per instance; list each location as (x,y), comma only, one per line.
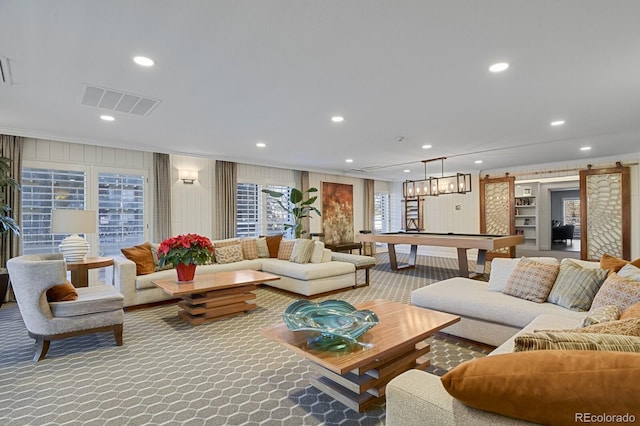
(215,296)
(358,379)
(80,269)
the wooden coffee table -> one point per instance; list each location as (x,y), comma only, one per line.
(215,296)
(358,378)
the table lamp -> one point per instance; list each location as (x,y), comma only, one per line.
(74,222)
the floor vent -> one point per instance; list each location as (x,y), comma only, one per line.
(117,100)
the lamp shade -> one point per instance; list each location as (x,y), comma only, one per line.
(73,221)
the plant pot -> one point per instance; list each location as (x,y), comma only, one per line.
(186,272)
(4,284)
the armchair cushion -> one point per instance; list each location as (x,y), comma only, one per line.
(62,293)
(91,300)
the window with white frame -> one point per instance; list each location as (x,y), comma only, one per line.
(259,213)
(120,211)
(42,191)
(381,216)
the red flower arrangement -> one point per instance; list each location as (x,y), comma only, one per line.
(188,249)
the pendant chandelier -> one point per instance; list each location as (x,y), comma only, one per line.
(460,183)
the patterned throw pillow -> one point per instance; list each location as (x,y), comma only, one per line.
(599,315)
(502,268)
(263,248)
(229,254)
(627,327)
(249,248)
(575,286)
(156,259)
(576,341)
(617,291)
(285,249)
(318,251)
(531,280)
(225,243)
(302,251)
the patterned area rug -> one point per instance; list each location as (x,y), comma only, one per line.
(221,373)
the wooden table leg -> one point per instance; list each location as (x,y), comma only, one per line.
(413,254)
(480,262)
(80,277)
(463,265)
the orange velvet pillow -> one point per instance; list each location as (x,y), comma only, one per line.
(62,293)
(549,387)
(273,244)
(632,311)
(614,264)
(142,256)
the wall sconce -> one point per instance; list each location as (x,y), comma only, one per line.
(188,176)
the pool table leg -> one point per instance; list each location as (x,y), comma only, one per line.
(413,254)
(463,265)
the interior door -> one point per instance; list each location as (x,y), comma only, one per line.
(497,209)
(605,210)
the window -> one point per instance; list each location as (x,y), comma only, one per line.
(42,191)
(381,219)
(120,212)
(571,210)
(259,213)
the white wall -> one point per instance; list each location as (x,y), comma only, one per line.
(192,205)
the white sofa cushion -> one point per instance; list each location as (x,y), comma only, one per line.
(306,271)
(470,298)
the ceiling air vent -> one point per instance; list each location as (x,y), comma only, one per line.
(5,71)
(117,100)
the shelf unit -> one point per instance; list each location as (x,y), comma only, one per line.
(413,215)
(526,218)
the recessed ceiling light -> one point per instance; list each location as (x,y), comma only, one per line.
(426,146)
(478,161)
(407,171)
(261,144)
(557,123)
(107,117)
(143,61)
(585,148)
(349,160)
(499,67)
(337,119)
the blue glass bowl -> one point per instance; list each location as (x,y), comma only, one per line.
(332,318)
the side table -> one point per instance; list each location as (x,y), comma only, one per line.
(80,269)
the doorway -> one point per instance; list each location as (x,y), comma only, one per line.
(565,220)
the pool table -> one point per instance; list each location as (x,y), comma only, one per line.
(462,242)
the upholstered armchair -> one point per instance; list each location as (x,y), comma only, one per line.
(96,309)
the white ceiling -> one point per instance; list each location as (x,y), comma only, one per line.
(230,73)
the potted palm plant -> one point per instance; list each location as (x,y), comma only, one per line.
(297,207)
(7,222)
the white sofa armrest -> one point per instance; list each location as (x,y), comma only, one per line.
(124,277)
(416,397)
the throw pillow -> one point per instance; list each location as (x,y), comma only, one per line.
(249,248)
(273,243)
(318,251)
(326,256)
(302,251)
(531,280)
(156,259)
(229,254)
(546,340)
(599,315)
(614,264)
(263,248)
(142,256)
(632,311)
(575,287)
(285,249)
(617,291)
(626,327)
(629,271)
(548,387)
(62,293)
(502,268)
(225,243)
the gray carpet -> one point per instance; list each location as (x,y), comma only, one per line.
(170,373)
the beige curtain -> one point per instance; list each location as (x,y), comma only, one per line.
(226,201)
(369,213)
(11,147)
(162,197)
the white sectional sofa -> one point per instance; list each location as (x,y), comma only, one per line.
(306,279)
(491,317)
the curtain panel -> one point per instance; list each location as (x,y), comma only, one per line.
(11,147)
(162,197)
(369,213)
(226,201)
